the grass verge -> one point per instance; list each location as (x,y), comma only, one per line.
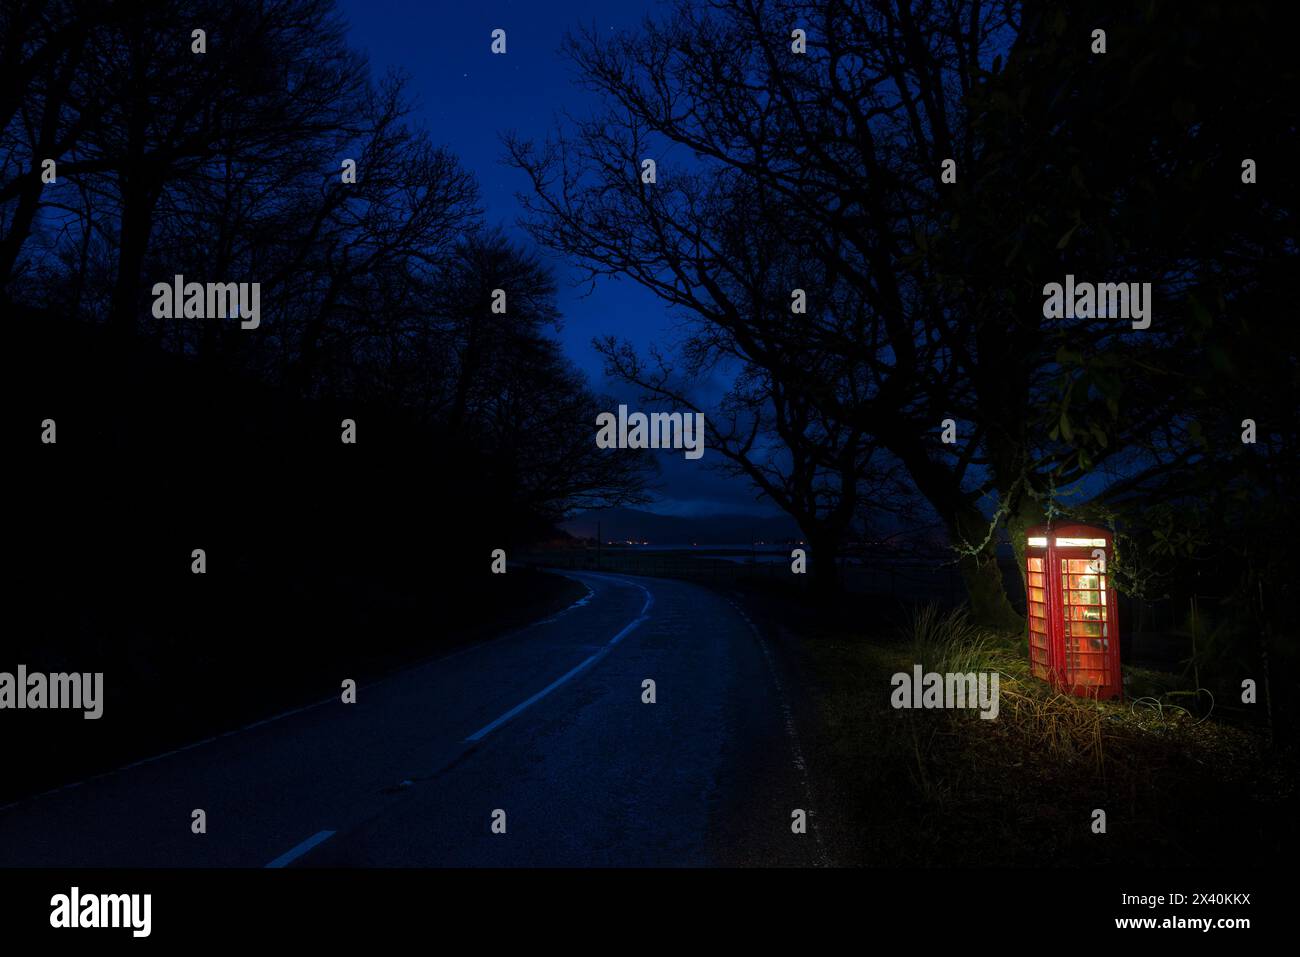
(947,788)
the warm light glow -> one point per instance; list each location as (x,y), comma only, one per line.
(1040,542)
(1075,542)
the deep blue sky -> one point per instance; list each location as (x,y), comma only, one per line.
(467,97)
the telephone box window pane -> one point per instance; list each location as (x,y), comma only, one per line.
(1035,564)
(1086,613)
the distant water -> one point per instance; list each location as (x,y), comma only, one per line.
(767,552)
(738,552)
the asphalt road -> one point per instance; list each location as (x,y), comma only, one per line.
(546,724)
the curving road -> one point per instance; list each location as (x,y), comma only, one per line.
(546,724)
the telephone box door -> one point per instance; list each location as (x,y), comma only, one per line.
(1089,651)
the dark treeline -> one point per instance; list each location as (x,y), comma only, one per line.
(228,166)
(324,559)
(823,170)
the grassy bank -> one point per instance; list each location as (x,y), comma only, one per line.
(945,787)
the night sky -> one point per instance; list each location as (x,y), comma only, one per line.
(468,97)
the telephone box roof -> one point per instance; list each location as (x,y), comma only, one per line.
(1070,530)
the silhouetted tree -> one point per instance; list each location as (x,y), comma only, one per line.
(1064,163)
(815,154)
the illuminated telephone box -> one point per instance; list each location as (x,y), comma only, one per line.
(1073,625)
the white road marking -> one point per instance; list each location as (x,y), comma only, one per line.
(577,604)
(487,729)
(792,732)
(296,852)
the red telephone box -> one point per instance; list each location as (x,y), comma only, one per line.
(1073,624)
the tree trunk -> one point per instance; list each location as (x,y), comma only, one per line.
(1024,514)
(137,224)
(823,558)
(139,185)
(966,526)
(982,574)
(20,227)
(29,198)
